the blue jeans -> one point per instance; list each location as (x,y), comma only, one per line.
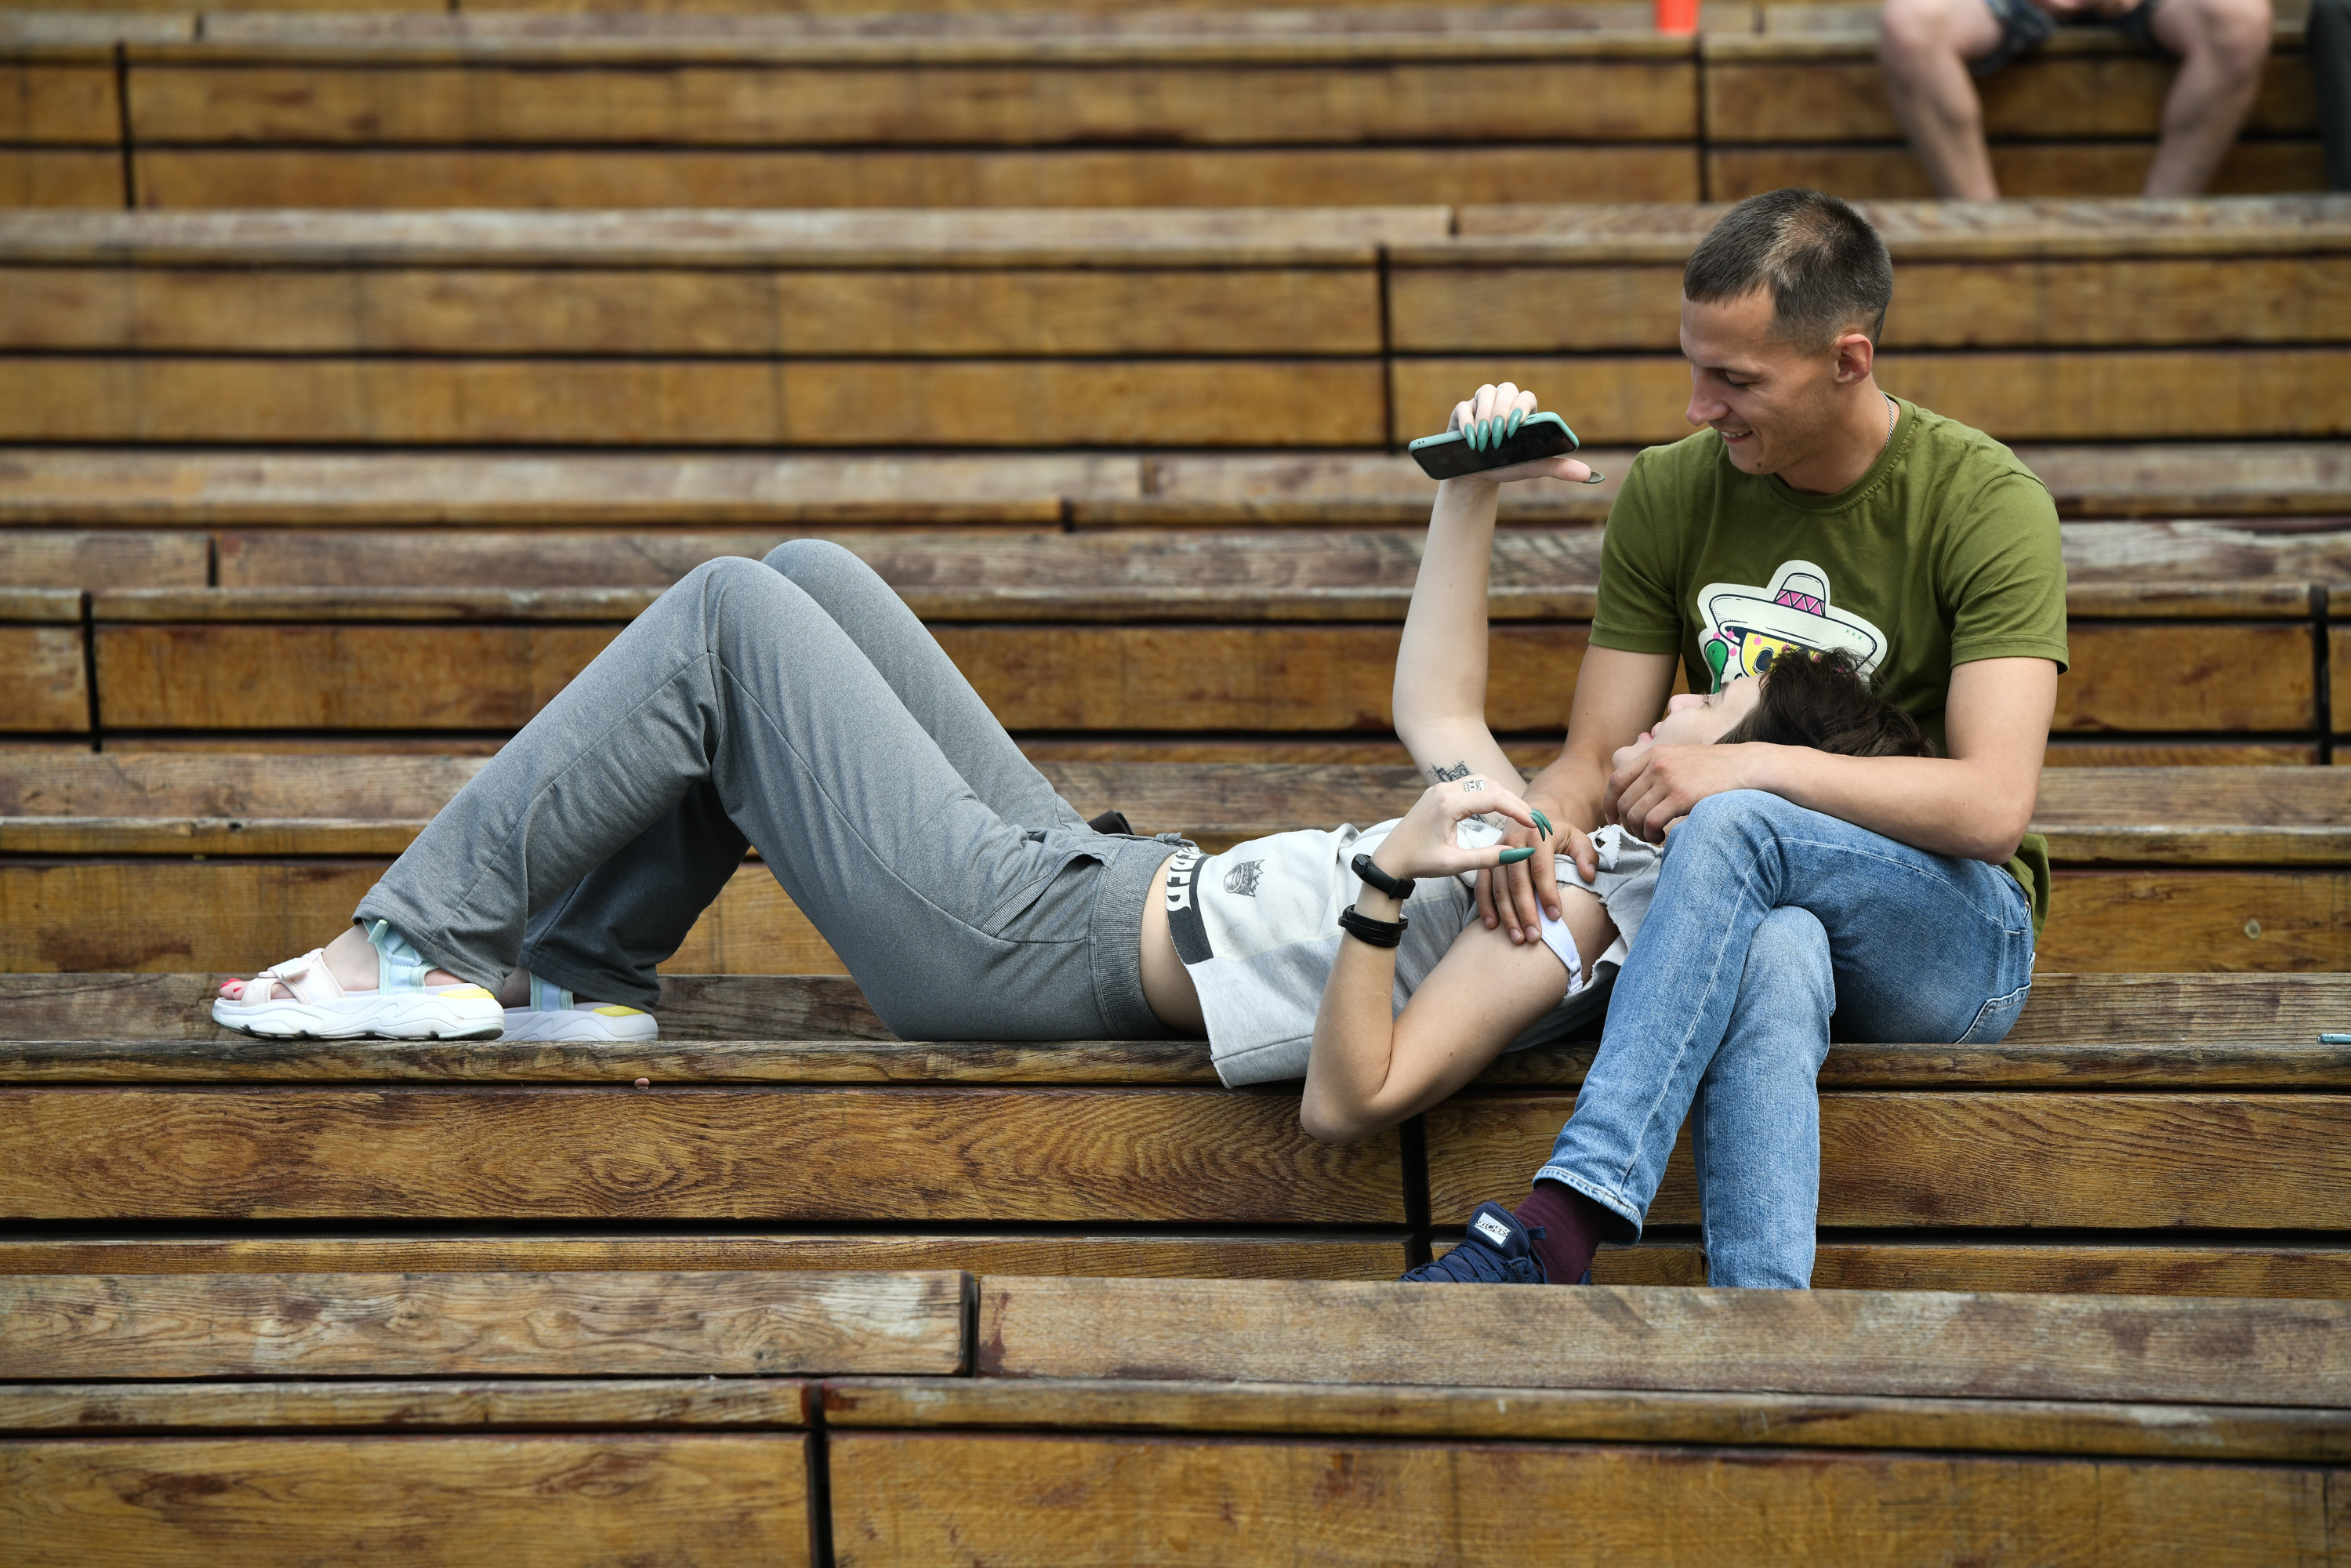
(1768,919)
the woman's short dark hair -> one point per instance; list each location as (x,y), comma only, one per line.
(1823,701)
(1827,269)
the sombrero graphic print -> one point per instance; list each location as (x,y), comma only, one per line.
(1747,627)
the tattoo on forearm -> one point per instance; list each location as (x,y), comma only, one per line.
(1446,772)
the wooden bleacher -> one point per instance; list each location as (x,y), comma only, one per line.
(303,511)
(1172,108)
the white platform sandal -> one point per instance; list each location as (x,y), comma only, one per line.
(316,1007)
(553,1014)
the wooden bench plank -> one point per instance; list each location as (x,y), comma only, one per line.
(480,1324)
(2148,1265)
(2027,169)
(1052,177)
(1135,1255)
(1583,1416)
(866,98)
(43,558)
(75,177)
(911,1156)
(2338,662)
(637,1403)
(1758,90)
(823,403)
(918,1498)
(68,102)
(2076,395)
(732,313)
(2028,1160)
(2109,921)
(1922,1344)
(43,687)
(1973,304)
(269,1501)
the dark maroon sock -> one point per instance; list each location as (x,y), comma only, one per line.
(1572,1226)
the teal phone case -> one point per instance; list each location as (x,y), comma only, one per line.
(1450,455)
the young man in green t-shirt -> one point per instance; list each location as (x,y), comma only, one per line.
(1901,895)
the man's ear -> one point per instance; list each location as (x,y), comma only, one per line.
(1856,357)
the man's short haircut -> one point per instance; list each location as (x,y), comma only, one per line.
(1827,269)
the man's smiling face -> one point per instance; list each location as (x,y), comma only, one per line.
(1772,401)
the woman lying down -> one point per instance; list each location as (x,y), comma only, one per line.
(796,705)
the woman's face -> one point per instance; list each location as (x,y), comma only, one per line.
(1694,720)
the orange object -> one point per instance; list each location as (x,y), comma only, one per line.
(1678,15)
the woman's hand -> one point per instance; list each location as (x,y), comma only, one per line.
(1493,413)
(1424,844)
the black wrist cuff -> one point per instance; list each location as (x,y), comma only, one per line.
(1378,933)
(1397,887)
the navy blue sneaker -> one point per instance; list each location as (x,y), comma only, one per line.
(1499,1250)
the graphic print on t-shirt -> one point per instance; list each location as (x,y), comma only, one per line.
(1747,626)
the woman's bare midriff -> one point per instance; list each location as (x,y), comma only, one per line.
(1167,984)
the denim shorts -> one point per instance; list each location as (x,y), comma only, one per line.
(2024,26)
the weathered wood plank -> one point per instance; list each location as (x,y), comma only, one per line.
(43,687)
(846,103)
(1138,1255)
(615,1405)
(827,403)
(2105,922)
(617,178)
(53,559)
(1753,97)
(923,1498)
(2125,1160)
(1917,1343)
(41,101)
(2022,169)
(478,1501)
(2236,1434)
(908,1156)
(2129,303)
(2153,1267)
(79,177)
(699,1325)
(2073,395)
(729,314)
(2338,662)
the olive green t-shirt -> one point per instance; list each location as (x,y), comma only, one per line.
(1945,552)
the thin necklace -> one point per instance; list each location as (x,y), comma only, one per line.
(1893,413)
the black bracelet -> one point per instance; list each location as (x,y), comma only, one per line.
(1397,887)
(1378,933)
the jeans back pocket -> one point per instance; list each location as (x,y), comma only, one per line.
(1996,1018)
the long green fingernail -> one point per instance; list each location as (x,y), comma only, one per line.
(1512,857)
(1597,477)
(1541,822)
(1518,417)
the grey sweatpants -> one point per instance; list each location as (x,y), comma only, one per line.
(796,705)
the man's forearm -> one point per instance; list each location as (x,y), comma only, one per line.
(1941,805)
(1570,791)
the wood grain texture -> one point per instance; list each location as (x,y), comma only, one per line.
(2156,677)
(1587,1416)
(842,102)
(97,916)
(2127,303)
(2046,97)
(2024,1160)
(1917,1343)
(81,177)
(104,1409)
(908,1156)
(43,687)
(2108,922)
(646,1324)
(70,103)
(826,402)
(2023,169)
(2074,395)
(42,557)
(1035,1500)
(2338,662)
(729,314)
(487,1501)
(1273,177)
(2153,1267)
(1139,1256)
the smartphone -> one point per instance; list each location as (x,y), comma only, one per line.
(1449,456)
